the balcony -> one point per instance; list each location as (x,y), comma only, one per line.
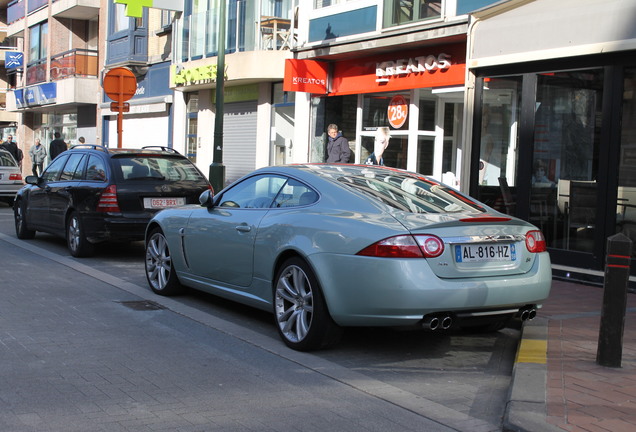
(16,12)
(75,9)
(74,63)
(69,64)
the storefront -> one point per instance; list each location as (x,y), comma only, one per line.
(554,131)
(418,94)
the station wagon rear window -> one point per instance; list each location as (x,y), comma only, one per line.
(165,168)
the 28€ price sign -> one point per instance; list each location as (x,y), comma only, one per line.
(398,111)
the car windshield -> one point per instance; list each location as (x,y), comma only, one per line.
(155,167)
(411,194)
(6,160)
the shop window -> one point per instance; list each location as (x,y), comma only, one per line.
(425,155)
(399,12)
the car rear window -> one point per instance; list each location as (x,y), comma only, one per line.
(411,194)
(6,160)
(153,167)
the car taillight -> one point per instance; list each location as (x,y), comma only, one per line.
(108,200)
(15,176)
(535,242)
(405,246)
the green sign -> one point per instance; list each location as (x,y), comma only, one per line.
(135,8)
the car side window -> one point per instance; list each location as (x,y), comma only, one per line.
(295,194)
(254,192)
(52,172)
(70,167)
(96,170)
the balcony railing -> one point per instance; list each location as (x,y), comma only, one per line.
(37,4)
(36,72)
(15,11)
(74,63)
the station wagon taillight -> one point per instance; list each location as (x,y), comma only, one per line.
(15,177)
(108,200)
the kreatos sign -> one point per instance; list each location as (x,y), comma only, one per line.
(402,67)
(308,76)
(195,75)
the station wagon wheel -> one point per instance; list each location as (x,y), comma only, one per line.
(21,230)
(159,270)
(78,244)
(302,318)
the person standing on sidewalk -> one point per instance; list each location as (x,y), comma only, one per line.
(337,146)
(38,155)
(57,146)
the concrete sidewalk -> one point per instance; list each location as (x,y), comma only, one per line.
(557,384)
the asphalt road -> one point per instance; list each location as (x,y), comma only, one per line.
(457,380)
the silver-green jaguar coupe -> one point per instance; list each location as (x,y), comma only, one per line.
(329,246)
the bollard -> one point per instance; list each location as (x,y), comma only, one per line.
(610,339)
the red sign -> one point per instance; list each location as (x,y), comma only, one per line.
(120,84)
(434,66)
(398,111)
(308,76)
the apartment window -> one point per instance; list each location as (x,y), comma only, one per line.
(37,41)
(121,22)
(324,3)
(192,106)
(398,12)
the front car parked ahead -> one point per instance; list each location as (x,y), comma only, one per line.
(91,194)
(328,246)
(10,177)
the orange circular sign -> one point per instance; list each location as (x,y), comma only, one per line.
(120,84)
(398,111)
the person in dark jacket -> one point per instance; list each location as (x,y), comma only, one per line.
(57,146)
(10,146)
(337,146)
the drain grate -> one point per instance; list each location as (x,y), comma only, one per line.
(142,305)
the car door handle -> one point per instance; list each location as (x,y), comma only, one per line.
(244,228)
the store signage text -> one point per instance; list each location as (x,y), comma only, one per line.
(415,65)
(195,75)
(309,76)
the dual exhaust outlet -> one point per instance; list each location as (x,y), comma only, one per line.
(438,321)
(528,313)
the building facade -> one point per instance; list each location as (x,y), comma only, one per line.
(553,133)
(57,87)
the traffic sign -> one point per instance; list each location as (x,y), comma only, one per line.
(120,84)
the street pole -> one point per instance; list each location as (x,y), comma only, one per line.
(217,170)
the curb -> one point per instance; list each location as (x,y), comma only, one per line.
(526,407)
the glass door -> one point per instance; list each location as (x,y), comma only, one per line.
(564,193)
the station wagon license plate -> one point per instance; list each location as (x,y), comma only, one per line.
(160,203)
(485,253)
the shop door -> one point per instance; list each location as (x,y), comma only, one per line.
(625,209)
(565,184)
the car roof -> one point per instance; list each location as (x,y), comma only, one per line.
(147,150)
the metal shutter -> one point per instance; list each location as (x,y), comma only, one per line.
(239,139)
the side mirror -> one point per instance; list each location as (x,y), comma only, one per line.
(32,180)
(206,199)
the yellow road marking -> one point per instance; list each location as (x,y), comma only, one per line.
(532,351)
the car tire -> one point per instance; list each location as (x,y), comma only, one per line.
(76,240)
(21,229)
(160,273)
(300,311)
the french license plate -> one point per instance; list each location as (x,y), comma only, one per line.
(485,253)
(160,203)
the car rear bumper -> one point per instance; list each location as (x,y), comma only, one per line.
(365,291)
(115,228)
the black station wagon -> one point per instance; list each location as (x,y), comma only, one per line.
(92,194)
